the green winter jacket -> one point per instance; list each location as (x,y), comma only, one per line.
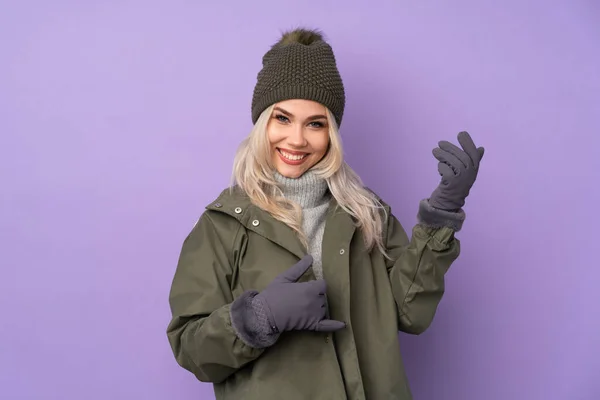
(236,246)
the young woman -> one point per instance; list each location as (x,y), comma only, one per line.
(295,281)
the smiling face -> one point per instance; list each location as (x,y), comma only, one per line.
(298,134)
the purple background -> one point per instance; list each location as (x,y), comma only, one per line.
(119,122)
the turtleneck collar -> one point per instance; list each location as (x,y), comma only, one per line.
(308,190)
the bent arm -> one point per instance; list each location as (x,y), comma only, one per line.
(417,267)
(200,332)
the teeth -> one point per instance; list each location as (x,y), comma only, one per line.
(292,157)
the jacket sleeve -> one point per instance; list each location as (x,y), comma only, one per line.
(200,332)
(417,267)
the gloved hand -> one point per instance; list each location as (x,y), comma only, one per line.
(458,169)
(292,305)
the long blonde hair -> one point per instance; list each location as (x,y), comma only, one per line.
(253,173)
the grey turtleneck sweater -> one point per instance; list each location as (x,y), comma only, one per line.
(312,194)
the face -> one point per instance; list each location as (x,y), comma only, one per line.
(299,136)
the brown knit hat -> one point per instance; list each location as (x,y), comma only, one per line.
(301,65)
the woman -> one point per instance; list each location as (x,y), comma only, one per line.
(295,281)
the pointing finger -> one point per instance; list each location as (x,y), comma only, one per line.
(296,271)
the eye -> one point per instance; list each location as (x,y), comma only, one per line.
(317,124)
(282,118)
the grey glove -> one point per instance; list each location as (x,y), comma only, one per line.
(297,306)
(284,305)
(458,169)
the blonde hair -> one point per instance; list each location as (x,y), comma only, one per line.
(253,172)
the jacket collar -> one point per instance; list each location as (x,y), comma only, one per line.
(233,202)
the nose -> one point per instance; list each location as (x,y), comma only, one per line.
(297,138)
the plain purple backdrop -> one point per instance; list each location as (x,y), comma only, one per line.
(119,122)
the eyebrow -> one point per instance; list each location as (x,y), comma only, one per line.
(311,118)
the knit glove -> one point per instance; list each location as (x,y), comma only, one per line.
(284,305)
(458,168)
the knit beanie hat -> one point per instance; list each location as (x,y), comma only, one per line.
(301,65)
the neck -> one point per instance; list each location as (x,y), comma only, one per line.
(308,190)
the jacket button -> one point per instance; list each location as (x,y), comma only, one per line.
(326,338)
(255,222)
(342,251)
(218,205)
(238,210)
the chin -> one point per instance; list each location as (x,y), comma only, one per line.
(291,174)
(290,171)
